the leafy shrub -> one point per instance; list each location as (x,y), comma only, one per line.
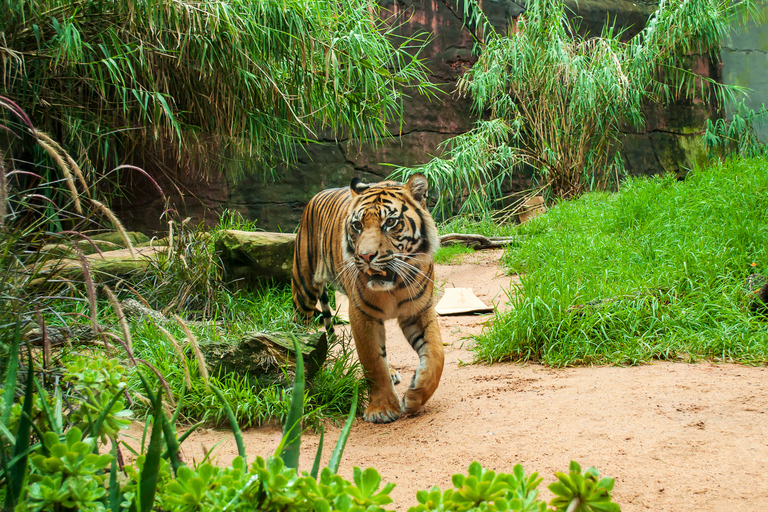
(484,490)
(99,385)
(70,474)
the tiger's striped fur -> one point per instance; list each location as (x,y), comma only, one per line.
(376,243)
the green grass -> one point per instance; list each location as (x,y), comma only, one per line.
(667,260)
(269,309)
(451,253)
(448,254)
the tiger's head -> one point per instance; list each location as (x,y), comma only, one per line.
(389,233)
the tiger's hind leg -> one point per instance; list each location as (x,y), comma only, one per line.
(423,334)
(325,308)
(305,305)
(304,292)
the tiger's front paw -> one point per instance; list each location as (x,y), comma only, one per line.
(381,414)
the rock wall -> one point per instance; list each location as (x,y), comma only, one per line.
(745,63)
(667,140)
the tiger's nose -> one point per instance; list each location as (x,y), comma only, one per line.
(368,256)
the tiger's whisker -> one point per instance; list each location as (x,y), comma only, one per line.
(404,270)
(415,269)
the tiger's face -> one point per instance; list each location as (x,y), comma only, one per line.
(389,233)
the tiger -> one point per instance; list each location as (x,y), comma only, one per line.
(375,243)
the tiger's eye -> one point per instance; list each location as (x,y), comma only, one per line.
(391,222)
(357,225)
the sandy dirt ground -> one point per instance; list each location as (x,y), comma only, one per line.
(675,436)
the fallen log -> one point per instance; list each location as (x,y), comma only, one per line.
(263,355)
(478,242)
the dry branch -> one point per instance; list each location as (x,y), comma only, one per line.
(477,242)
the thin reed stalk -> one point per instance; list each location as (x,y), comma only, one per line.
(179,353)
(120,318)
(57,154)
(90,290)
(3,193)
(118,226)
(192,341)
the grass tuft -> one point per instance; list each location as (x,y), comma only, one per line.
(449,254)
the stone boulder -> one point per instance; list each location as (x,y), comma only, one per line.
(250,258)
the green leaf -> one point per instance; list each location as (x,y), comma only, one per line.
(335,460)
(318,454)
(232,420)
(114,486)
(96,426)
(151,469)
(7,433)
(606,483)
(20,455)
(369,482)
(292,428)
(11,372)
(559,489)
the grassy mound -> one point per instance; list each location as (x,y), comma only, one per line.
(658,270)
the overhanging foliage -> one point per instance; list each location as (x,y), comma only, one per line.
(559,97)
(198,80)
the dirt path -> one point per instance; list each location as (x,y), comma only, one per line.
(676,437)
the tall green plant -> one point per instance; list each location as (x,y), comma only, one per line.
(559,97)
(736,136)
(204,80)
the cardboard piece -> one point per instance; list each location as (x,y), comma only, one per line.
(533,207)
(461,301)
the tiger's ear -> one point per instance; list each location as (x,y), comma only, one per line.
(357,186)
(418,187)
